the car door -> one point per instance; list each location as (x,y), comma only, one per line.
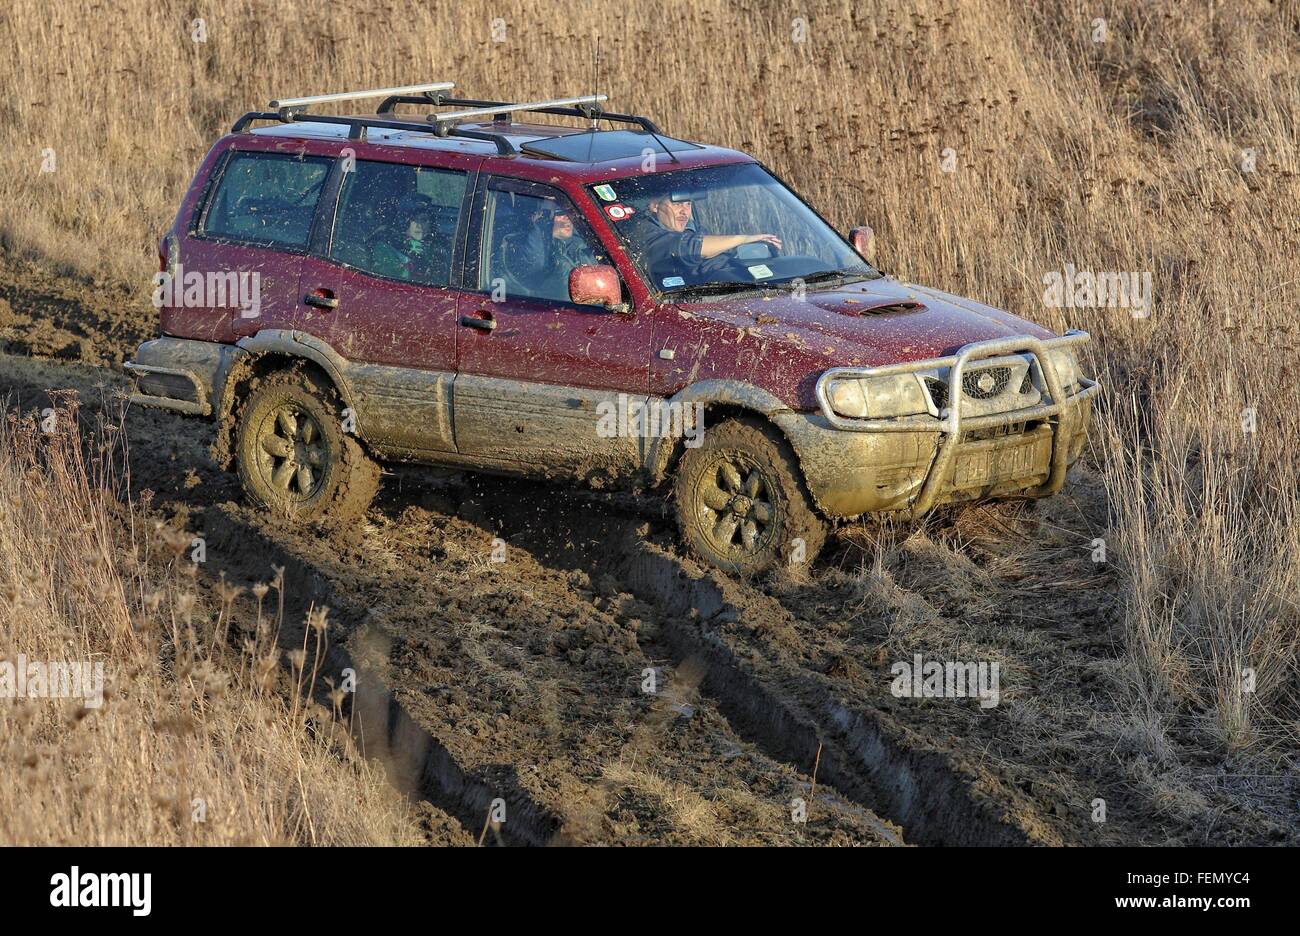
(538,376)
(237,266)
(380,293)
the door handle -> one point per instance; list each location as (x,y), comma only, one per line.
(482,324)
(320,301)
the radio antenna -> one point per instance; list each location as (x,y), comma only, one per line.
(595,81)
(595,77)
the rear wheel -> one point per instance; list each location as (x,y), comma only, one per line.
(740,501)
(292,453)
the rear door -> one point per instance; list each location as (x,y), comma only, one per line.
(536,372)
(237,266)
(380,293)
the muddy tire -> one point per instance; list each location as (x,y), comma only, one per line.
(292,454)
(741,503)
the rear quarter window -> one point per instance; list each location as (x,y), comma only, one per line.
(266,199)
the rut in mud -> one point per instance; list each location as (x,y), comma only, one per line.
(524,679)
(520,681)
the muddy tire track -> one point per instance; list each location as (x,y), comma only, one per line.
(771,698)
(519,682)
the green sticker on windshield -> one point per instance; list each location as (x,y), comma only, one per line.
(606,192)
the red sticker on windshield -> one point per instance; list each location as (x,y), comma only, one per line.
(619,212)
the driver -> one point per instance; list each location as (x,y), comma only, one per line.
(673,251)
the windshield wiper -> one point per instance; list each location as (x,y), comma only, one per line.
(822,276)
(717,287)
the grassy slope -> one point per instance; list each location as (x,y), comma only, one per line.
(1128,154)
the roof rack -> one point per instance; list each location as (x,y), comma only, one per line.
(588,108)
(288,110)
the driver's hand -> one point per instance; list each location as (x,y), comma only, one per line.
(766,239)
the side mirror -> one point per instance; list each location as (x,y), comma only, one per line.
(597,284)
(863,240)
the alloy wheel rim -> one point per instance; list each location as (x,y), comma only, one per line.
(736,510)
(292,453)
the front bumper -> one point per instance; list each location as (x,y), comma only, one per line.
(857,466)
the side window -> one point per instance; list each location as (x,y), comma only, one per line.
(530,243)
(399,221)
(267,198)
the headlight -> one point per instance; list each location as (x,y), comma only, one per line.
(878,397)
(1067,369)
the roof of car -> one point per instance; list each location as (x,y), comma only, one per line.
(566,150)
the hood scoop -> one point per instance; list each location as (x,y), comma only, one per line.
(857,308)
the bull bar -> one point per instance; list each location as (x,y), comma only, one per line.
(993,353)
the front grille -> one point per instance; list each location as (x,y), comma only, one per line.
(987,383)
(996,384)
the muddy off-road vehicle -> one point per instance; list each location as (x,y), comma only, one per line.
(611,306)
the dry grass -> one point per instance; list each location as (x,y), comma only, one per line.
(1123,155)
(194,742)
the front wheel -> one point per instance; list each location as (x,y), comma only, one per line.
(293,455)
(741,504)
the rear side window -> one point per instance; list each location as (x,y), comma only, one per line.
(267,199)
(399,221)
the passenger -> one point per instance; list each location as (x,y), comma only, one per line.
(404,250)
(673,249)
(540,259)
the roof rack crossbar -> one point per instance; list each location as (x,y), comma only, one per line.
(586,112)
(289,110)
(435,86)
(493,110)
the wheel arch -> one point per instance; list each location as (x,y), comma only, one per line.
(264,353)
(721,399)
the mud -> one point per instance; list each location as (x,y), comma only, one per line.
(505,634)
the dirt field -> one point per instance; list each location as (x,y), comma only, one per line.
(522,679)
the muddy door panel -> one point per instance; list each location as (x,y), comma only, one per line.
(569,430)
(398,341)
(535,371)
(402,411)
(389,307)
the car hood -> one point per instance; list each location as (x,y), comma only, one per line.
(872,322)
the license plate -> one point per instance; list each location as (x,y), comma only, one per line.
(992,465)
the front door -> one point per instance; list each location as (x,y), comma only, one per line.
(539,377)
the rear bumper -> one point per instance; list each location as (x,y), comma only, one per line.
(854,467)
(180,374)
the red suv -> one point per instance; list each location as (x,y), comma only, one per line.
(598,303)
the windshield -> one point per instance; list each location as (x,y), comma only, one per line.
(724,228)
